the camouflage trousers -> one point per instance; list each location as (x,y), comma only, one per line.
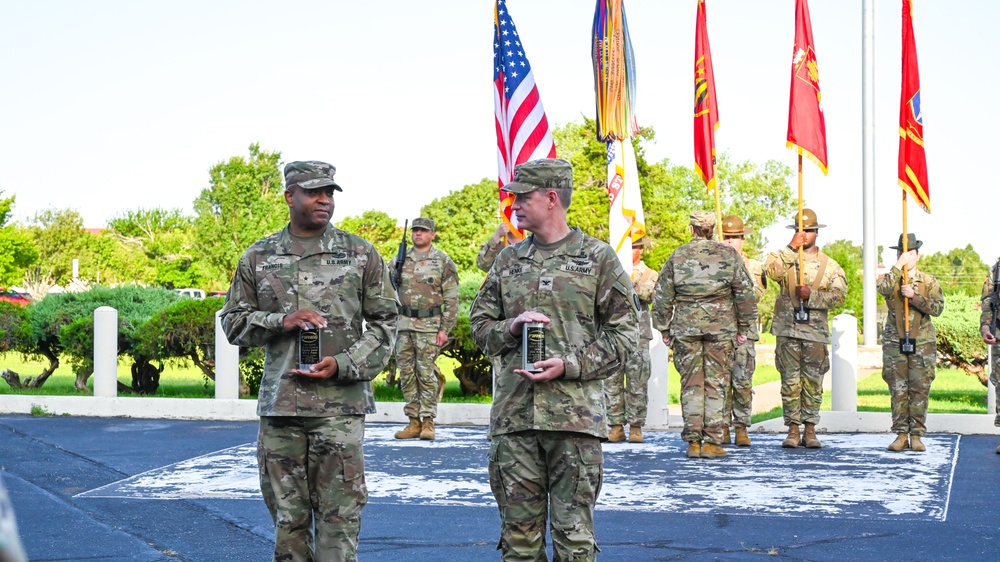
(739,397)
(537,472)
(802,365)
(704,363)
(909,378)
(312,476)
(995,379)
(626,392)
(416,353)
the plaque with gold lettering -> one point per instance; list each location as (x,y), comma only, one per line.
(309,351)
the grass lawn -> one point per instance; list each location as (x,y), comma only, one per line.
(178,380)
(952,392)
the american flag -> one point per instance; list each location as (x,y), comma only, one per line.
(522,130)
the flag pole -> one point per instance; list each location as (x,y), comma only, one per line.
(718,201)
(906,267)
(801,229)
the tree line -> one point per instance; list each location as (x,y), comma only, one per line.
(244,201)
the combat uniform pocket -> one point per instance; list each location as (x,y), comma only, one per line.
(354,478)
(496,476)
(588,486)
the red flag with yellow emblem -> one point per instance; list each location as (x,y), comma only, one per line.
(806,126)
(912,160)
(706,109)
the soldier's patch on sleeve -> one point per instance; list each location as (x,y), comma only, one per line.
(545,284)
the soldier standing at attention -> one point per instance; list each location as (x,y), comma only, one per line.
(739,395)
(802,328)
(502,238)
(990,301)
(704,304)
(626,392)
(428,298)
(547,420)
(313,283)
(909,374)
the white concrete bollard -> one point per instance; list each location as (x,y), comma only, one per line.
(227,364)
(658,414)
(106,352)
(844,364)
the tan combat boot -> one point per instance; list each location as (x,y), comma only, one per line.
(617,434)
(411,431)
(793,439)
(427,431)
(742,439)
(694,450)
(726,437)
(916,444)
(809,438)
(634,434)
(900,443)
(712,451)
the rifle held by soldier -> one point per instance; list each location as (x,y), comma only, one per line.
(397,274)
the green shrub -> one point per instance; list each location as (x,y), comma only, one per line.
(473,371)
(959,343)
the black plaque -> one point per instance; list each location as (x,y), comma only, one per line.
(309,349)
(532,346)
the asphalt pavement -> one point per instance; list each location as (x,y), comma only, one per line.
(87,489)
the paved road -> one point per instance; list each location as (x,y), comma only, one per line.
(153,490)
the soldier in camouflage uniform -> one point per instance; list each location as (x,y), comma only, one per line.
(909,376)
(502,238)
(626,392)
(739,395)
(311,275)
(547,426)
(428,298)
(991,337)
(801,353)
(704,304)
(10,543)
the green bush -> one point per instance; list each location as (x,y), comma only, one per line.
(252,368)
(184,329)
(959,343)
(473,371)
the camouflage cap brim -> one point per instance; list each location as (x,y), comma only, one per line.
(318,183)
(517,187)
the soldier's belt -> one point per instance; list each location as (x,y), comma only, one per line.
(420,312)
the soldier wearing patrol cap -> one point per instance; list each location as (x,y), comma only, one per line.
(547,423)
(313,276)
(739,396)
(428,311)
(626,392)
(909,375)
(802,327)
(703,306)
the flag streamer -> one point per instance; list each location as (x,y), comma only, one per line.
(614,72)
(523,132)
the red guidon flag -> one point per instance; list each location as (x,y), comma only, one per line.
(912,160)
(706,109)
(806,126)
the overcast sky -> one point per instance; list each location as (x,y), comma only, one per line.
(110,105)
